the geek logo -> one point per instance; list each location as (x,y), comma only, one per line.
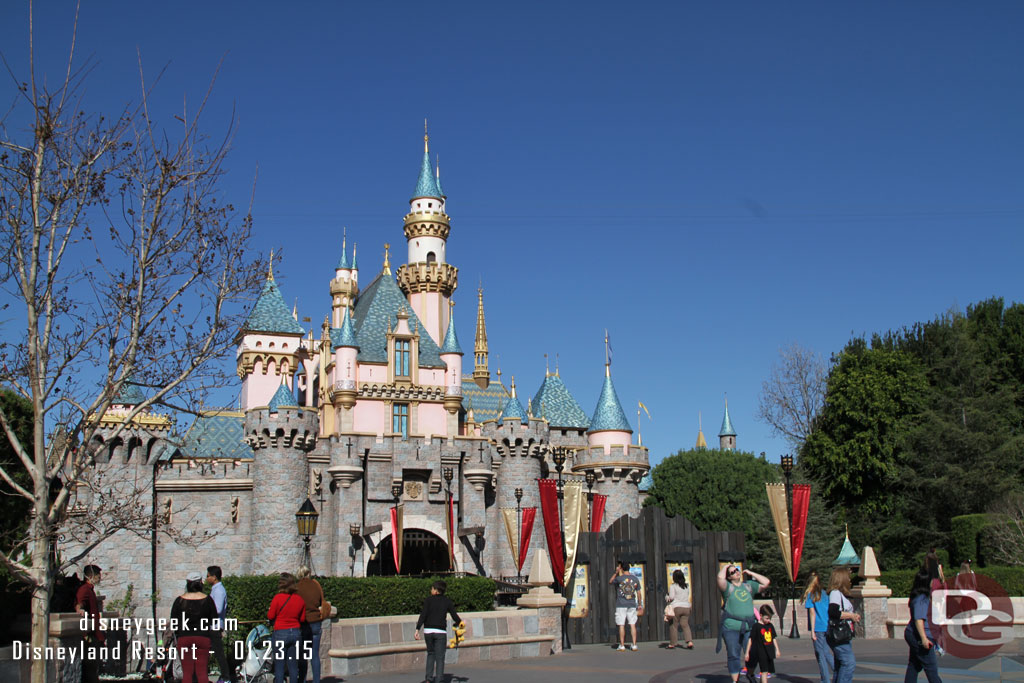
(974,617)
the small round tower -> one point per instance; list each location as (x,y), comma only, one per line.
(280,434)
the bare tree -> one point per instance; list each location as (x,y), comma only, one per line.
(1006,532)
(793,393)
(127,267)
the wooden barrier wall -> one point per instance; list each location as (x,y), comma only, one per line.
(653,540)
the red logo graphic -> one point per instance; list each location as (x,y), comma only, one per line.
(974,616)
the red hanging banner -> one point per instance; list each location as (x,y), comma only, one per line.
(552,529)
(450,524)
(529,514)
(397,537)
(801,503)
(597,512)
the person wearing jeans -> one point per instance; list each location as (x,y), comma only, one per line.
(312,594)
(918,633)
(738,596)
(287,612)
(816,602)
(839,595)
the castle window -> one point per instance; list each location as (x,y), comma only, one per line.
(400,418)
(431,257)
(401,357)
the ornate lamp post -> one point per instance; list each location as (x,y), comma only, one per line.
(519,531)
(306,519)
(448,476)
(396,492)
(787,470)
(558,456)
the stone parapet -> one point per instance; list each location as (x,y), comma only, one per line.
(617,462)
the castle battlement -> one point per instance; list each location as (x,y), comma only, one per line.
(286,427)
(622,457)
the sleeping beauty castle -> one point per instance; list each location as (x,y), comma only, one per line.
(380,409)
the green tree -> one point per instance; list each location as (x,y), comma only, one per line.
(854,453)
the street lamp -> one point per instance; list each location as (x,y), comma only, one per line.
(787,470)
(590,478)
(558,456)
(396,492)
(519,532)
(306,519)
(448,476)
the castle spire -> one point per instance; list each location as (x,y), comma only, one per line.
(270,267)
(481,375)
(701,441)
(727,435)
(343,263)
(387,259)
(426,184)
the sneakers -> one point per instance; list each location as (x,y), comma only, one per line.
(633,647)
(621,648)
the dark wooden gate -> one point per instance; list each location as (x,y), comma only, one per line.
(653,539)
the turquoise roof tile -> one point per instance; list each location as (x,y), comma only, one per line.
(282,398)
(426,185)
(437,179)
(344,335)
(217,435)
(486,403)
(513,410)
(355,265)
(377,306)
(556,404)
(451,340)
(271,314)
(608,415)
(130,395)
(343,263)
(727,429)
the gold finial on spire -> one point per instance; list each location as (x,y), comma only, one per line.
(556,365)
(513,385)
(547,366)
(426,138)
(387,258)
(607,355)
(270,268)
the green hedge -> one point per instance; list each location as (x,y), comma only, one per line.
(966,531)
(901,580)
(374,596)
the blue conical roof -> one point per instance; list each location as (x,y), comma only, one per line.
(271,314)
(437,179)
(451,340)
(426,186)
(727,429)
(847,556)
(130,395)
(343,263)
(608,416)
(513,410)
(282,398)
(344,335)
(556,404)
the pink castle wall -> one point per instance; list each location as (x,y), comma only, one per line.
(609,439)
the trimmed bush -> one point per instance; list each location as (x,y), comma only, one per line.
(900,581)
(966,531)
(373,596)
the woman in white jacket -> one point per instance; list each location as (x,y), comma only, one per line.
(678,600)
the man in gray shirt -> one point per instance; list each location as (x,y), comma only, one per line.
(628,602)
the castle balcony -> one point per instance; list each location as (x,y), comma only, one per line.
(426,224)
(428,277)
(624,458)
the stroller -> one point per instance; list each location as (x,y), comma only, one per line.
(258,666)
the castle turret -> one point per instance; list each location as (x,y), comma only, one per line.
(616,462)
(451,354)
(481,375)
(268,346)
(427,279)
(701,441)
(280,434)
(727,435)
(343,387)
(344,286)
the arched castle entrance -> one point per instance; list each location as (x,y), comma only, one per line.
(422,553)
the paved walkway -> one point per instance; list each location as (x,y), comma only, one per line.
(877,661)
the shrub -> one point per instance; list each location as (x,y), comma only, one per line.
(373,596)
(901,580)
(966,531)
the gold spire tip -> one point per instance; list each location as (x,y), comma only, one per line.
(387,258)
(270,268)
(426,138)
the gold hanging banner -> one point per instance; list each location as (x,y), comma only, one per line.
(780,515)
(512,532)
(572,512)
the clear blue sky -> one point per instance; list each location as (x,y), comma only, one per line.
(709,181)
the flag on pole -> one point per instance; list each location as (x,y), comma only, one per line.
(641,404)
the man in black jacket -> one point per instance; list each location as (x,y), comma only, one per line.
(434,624)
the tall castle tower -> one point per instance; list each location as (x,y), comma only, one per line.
(344,286)
(727,435)
(481,374)
(427,279)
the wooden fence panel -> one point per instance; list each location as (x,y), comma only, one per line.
(653,539)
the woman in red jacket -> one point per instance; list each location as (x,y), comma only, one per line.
(287,611)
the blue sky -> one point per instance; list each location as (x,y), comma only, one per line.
(708,181)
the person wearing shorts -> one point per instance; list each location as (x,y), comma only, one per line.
(628,602)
